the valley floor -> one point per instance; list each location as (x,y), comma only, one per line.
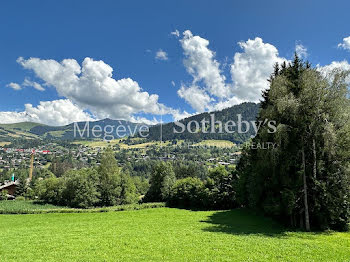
(162,234)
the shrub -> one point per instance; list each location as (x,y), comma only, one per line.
(3,194)
(162,179)
(188,192)
(50,190)
(81,188)
(221,188)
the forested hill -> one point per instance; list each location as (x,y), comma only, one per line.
(28,130)
(67,132)
(248,111)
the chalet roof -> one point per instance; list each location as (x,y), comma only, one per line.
(8,185)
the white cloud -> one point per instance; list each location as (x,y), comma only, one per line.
(36,85)
(209,89)
(346,43)
(251,69)
(200,63)
(144,120)
(180,115)
(301,50)
(57,112)
(196,97)
(161,55)
(176,33)
(335,66)
(92,86)
(14,86)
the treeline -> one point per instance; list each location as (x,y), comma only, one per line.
(304,181)
(216,191)
(104,185)
(248,111)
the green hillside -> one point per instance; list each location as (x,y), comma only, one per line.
(10,132)
(24,126)
(248,111)
(29,130)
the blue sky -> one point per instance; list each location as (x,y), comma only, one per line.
(127,35)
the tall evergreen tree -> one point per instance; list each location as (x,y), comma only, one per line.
(305,180)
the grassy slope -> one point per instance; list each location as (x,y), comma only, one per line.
(24,125)
(22,133)
(162,235)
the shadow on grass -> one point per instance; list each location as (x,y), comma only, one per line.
(243,222)
(246,222)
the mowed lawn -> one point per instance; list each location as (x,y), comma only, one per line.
(162,234)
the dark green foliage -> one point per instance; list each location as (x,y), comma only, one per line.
(220,188)
(3,194)
(215,192)
(109,179)
(50,190)
(185,169)
(305,179)
(141,184)
(81,188)
(128,194)
(248,111)
(161,181)
(85,188)
(188,192)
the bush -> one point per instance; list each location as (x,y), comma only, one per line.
(221,188)
(188,192)
(20,198)
(162,179)
(3,194)
(50,190)
(81,188)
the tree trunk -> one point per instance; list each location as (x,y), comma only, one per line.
(306,206)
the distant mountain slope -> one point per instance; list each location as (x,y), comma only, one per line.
(67,132)
(8,132)
(24,126)
(29,130)
(249,112)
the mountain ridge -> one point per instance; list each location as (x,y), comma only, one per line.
(32,130)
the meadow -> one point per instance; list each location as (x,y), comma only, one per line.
(34,207)
(163,234)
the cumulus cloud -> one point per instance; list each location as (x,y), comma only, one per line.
(209,89)
(196,97)
(57,112)
(36,85)
(201,64)
(143,120)
(345,44)
(161,55)
(92,86)
(180,115)
(14,86)
(301,50)
(335,66)
(251,68)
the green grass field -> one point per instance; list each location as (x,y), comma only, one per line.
(23,206)
(162,234)
(31,207)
